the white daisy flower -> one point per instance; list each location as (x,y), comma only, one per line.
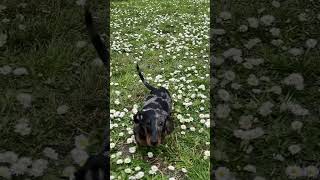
(245,122)
(5,172)
(253,22)
(222,173)
(276,42)
(267,20)
(250,168)
(243,28)
(127,160)
(79,156)
(252,42)
(296,80)
(253,80)
(266,108)
(81,2)
(150,154)
(275,31)
(311,171)
(302,17)
(294,149)
(184,170)
(5,70)
(81,141)
(50,153)
(232,52)
(38,167)
(62,109)
(311,43)
(249,134)
(296,125)
(171,168)
(275,4)
(278,157)
(276,89)
(294,172)
(68,171)
(119,161)
(229,75)
(23,127)
(295,51)
(132,150)
(139,175)
(8,157)
(25,99)
(218,31)
(128,170)
(21,166)
(20,71)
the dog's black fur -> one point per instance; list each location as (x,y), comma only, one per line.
(95,38)
(93,169)
(96,167)
(152,123)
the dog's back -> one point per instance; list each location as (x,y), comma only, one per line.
(159,98)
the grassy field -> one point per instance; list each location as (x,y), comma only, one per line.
(266,89)
(170,41)
(52,97)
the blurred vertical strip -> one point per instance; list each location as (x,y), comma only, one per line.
(107,136)
(212,74)
(265,79)
(107,131)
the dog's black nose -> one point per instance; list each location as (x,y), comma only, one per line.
(154,143)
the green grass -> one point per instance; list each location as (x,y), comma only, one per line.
(133,25)
(59,73)
(278,64)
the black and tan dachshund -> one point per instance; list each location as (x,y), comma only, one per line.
(152,123)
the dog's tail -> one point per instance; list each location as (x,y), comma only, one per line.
(151,88)
(96,40)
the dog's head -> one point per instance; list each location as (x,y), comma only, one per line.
(152,124)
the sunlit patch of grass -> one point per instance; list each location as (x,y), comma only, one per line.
(169,41)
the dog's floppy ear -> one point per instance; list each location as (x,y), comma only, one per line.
(137,117)
(169,126)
